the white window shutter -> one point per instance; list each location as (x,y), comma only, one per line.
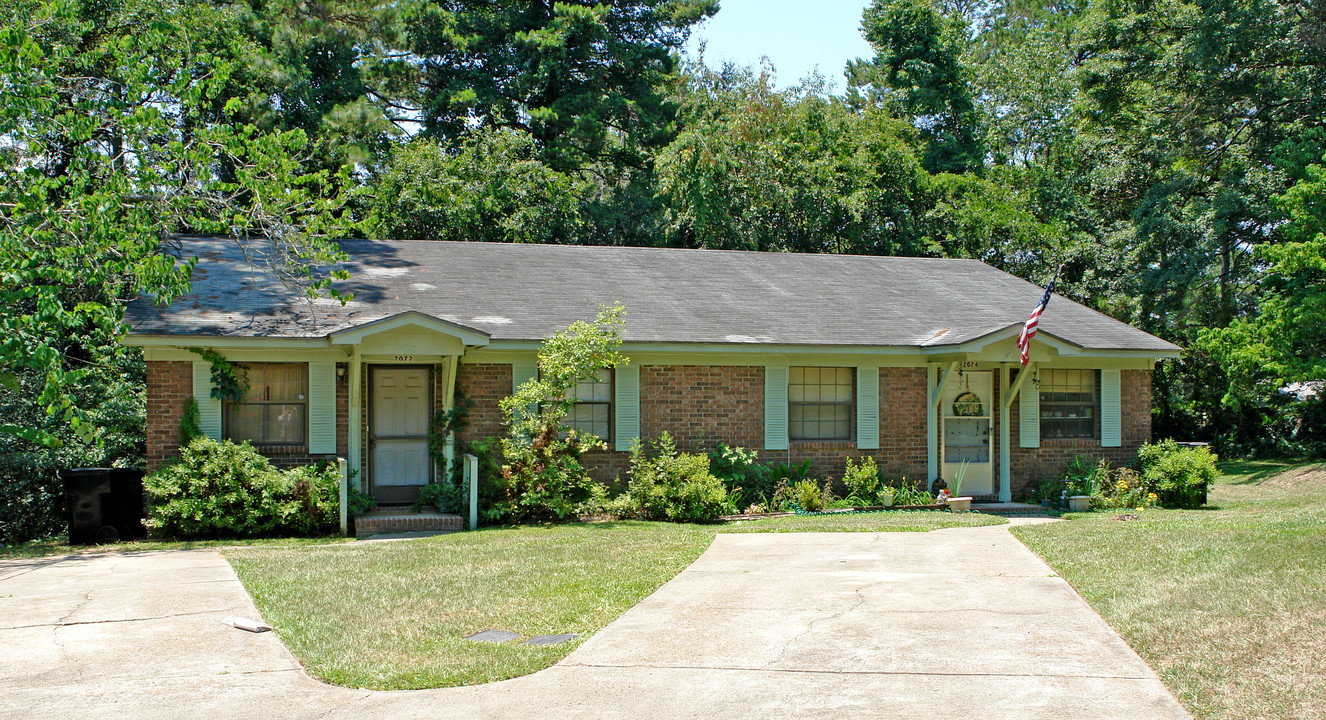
(209,408)
(775,407)
(523,370)
(1029,414)
(1110,410)
(867,407)
(626,406)
(322,408)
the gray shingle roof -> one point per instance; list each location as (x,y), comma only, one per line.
(526,292)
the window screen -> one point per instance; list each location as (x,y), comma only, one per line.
(821,403)
(1068,403)
(275,409)
(592,412)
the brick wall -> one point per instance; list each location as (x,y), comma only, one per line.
(169,383)
(1031,465)
(698,405)
(485,384)
(701,405)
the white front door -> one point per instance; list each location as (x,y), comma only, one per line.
(400,402)
(966,409)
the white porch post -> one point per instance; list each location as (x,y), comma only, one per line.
(931,433)
(1005,471)
(452,364)
(1006,397)
(936,389)
(356,416)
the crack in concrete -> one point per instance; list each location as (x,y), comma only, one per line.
(362,695)
(810,627)
(61,622)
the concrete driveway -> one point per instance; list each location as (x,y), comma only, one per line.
(949,624)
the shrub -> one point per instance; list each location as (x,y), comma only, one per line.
(862,481)
(908,494)
(1121,488)
(671,485)
(542,477)
(1178,475)
(748,482)
(220,489)
(444,495)
(810,496)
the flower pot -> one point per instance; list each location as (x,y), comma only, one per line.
(959,504)
(1079,503)
(1045,502)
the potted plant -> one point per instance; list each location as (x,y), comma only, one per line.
(957,502)
(1082,503)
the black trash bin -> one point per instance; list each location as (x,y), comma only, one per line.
(103,504)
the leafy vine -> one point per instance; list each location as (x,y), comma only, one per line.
(227,382)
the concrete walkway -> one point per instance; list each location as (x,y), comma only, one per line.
(949,624)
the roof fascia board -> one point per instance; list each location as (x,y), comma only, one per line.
(252,354)
(356,335)
(730,348)
(978,344)
(223,341)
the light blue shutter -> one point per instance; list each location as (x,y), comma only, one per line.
(626,406)
(1110,414)
(867,407)
(775,407)
(322,408)
(522,370)
(1029,414)
(209,408)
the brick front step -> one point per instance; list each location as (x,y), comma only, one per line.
(405,521)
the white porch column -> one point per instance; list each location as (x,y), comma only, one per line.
(1005,471)
(356,417)
(935,392)
(1006,396)
(451,365)
(931,432)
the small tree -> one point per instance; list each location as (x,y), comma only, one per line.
(542,478)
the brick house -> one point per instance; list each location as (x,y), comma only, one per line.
(910,360)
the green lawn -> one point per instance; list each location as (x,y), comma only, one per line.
(1227,603)
(393,615)
(61,546)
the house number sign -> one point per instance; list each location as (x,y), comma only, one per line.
(403,358)
(969,364)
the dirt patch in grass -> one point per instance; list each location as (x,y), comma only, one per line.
(1313,476)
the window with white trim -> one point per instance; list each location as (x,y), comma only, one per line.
(275,409)
(821,403)
(592,412)
(1070,404)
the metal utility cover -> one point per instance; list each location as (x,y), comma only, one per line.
(548,639)
(493,636)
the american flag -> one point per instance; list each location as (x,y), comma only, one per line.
(1029,329)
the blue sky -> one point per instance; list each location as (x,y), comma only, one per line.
(797,35)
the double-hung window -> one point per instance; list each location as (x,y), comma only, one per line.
(274,411)
(821,403)
(1069,404)
(592,412)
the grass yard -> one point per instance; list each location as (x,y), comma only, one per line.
(1227,603)
(61,546)
(393,615)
